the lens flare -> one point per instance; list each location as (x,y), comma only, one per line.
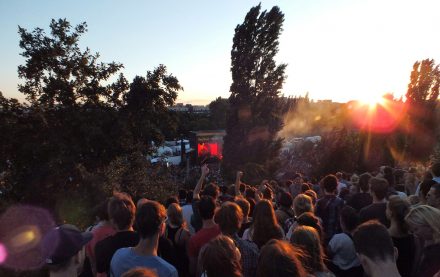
(377,116)
(3,253)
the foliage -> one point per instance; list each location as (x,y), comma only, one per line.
(255,115)
(218,110)
(81,135)
(422,96)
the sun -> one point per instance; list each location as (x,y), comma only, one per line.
(372,102)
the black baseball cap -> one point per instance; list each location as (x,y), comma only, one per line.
(62,243)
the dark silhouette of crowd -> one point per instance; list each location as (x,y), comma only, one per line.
(385,223)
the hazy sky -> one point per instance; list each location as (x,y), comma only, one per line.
(335,49)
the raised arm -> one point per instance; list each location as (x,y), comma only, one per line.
(237,183)
(198,188)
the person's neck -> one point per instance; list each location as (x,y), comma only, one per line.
(329,193)
(70,271)
(395,231)
(377,201)
(147,246)
(388,269)
(208,223)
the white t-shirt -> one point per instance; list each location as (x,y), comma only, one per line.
(187,212)
(344,254)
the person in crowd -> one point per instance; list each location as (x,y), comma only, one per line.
(211,190)
(171,200)
(121,211)
(363,197)
(312,194)
(328,208)
(229,217)
(397,209)
(424,223)
(182,197)
(102,230)
(245,208)
(224,194)
(179,235)
(375,250)
(187,212)
(424,188)
(410,181)
(140,272)
(435,171)
(284,210)
(307,239)
(344,261)
(301,204)
(220,258)
(63,250)
(377,210)
(309,219)
(208,231)
(342,183)
(433,196)
(280,259)
(295,186)
(264,226)
(150,222)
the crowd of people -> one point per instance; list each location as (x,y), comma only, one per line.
(381,224)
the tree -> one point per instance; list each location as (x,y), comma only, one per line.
(218,110)
(422,96)
(57,72)
(255,115)
(147,104)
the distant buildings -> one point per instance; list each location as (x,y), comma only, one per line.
(188,108)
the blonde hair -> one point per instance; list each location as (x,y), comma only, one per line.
(175,215)
(307,238)
(301,204)
(425,215)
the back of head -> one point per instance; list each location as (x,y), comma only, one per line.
(309,219)
(182,194)
(312,194)
(101,210)
(435,169)
(265,225)
(207,207)
(363,182)
(308,239)
(330,183)
(285,199)
(229,218)
(301,204)
(372,240)
(280,259)
(175,215)
(425,216)
(221,258)
(388,174)
(171,200)
(140,272)
(211,190)
(425,186)
(349,218)
(121,211)
(149,219)
(244,205)
(399,208)
(379,187)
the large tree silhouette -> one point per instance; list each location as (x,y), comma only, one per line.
(422,96)
(255,115)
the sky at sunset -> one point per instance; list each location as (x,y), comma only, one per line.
(340,49)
